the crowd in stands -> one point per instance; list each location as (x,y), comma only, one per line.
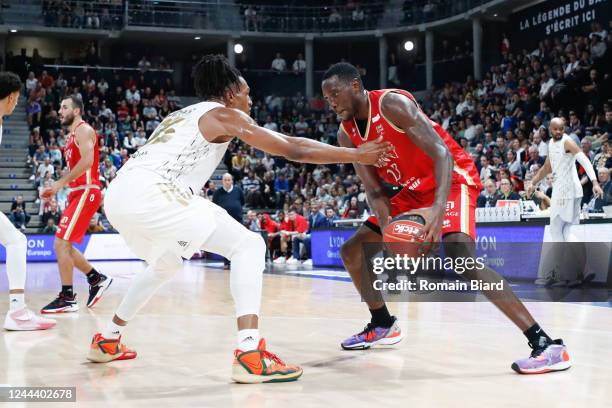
(501,121)
(307,15)
(123,112)
(97,14)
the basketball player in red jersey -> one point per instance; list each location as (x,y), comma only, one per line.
(85,198)
(438,180)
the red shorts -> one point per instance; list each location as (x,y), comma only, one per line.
(82,205)
(460,208)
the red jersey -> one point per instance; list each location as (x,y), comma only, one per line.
(409,166)
(73,155)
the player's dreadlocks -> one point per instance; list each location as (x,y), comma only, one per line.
(213,76)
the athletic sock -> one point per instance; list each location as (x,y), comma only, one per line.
(17,301)
(248,339)
(67,290)
(381,317)
(112,330)
(93,277)
(537,337)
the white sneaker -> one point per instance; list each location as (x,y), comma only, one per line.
(25,319)
(281,260)
(307,262)
(292,261)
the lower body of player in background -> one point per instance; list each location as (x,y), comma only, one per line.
(162,224)
(458,237)
(83,203)
(566,252)
(19,317)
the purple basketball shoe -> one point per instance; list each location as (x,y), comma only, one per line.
(372,336)
(544,359)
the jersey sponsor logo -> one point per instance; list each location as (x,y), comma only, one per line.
(450,205)
(376,118)
(446,224)
(413,183)
(380,130)
(183,243)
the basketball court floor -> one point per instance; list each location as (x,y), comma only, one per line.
(453,354)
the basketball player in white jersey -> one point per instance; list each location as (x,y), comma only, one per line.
(19,317)
(155,206)
(563,153)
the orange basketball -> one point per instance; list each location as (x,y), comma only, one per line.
(405,234)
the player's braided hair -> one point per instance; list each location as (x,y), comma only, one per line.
(213,76)
(9,83)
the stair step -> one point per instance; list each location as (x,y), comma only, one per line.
(8,195)
(15,173)
(31,208)
(16,184)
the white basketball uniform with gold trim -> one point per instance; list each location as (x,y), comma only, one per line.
(566,187)
(153,202)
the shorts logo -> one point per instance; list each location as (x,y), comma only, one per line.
(376,118)
(405,229)
(446,224)
(183,243)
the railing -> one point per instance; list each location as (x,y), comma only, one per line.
(227,15)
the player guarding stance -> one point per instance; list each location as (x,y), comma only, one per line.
(563,153)
(84,200)
(154,205)
(19,317)
(437,178)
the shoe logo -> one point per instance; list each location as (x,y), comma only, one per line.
(183,243)
(249,338)
(376,118)
(538,331)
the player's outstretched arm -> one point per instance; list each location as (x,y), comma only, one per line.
(85,137)
(223,123)
(571,147)
(406,115)
(377,197)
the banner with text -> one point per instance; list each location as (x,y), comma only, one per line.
(556,18)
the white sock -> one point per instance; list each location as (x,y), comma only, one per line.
(112,330)
(248,339)
(17,301)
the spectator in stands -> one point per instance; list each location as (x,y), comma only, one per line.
(33,112)
(330,217)
(144,65)
(603,174)
(141,136)
(251,185)
(489,196)
(231,199)
(293,225)
(507,190)
(19,215)
(299,65)
(129,143)
(44,169)
(53,213)
(279,64)
(95,225)
(250,19)
(30,83)
(49,227)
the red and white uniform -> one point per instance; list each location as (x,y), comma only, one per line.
(85,196)
(412,169)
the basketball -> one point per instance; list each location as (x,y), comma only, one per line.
(405,234)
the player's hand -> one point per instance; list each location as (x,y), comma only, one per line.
(530,189)
(597,191)
(434,217)
(49,192)
(373,153)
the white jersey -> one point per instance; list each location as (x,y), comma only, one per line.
(177,151)
(566,185)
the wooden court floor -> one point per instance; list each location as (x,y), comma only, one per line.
(453,354)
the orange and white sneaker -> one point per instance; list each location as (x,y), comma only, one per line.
(261,366)
(104,350)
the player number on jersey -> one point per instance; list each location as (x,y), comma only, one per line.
(165,131)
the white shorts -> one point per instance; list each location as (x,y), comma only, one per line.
(154,216)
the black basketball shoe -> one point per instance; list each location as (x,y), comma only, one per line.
(97,289)
(62,304)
